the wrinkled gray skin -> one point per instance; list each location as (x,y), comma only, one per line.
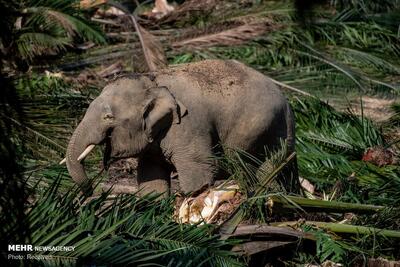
(174,120)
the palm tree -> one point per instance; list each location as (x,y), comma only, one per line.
(41,28)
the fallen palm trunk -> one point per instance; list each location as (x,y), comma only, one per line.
(254,247)
(262,237)
(291,202)
(342,228)
(267,231)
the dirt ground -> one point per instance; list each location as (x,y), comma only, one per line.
(122,176)
(377,109)
(374,108)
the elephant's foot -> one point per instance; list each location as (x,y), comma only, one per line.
(119,188)
(153,178)
(154,186)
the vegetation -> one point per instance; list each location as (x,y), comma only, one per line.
(120,230)
(326,57)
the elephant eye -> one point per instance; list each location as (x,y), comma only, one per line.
(108,116)
(125,123)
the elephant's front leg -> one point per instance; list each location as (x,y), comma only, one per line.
(196,168)
(153,177)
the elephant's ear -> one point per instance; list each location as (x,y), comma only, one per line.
(160,110)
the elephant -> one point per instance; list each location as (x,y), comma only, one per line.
(173,119)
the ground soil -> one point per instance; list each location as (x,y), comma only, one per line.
(377,109)
(374,108)
(122,176)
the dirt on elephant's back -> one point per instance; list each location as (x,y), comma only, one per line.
(213,76)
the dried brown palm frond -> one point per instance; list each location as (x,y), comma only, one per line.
(256,18)
(195,5)
(191,5)
(111,70)
(233,36)
(153,51)
(195,31)
(187,9)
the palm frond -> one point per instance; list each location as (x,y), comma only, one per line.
(368,60)
(229,37)
(121,230)
(80,28)
(152,49)
(49,27)
(34,44)
(394,120)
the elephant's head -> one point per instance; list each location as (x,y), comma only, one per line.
(126,117)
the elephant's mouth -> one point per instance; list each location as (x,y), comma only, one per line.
(107,158)
(111,155)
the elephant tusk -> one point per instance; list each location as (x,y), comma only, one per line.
(63,161)
(86,152)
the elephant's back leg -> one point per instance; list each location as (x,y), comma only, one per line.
(266,135)
(256,132)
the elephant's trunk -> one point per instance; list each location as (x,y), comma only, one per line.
(81,139)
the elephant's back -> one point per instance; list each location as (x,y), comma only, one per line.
(211,77)
(252,112)
(221,90)
(239,102)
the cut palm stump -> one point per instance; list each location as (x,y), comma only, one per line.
(209,205)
